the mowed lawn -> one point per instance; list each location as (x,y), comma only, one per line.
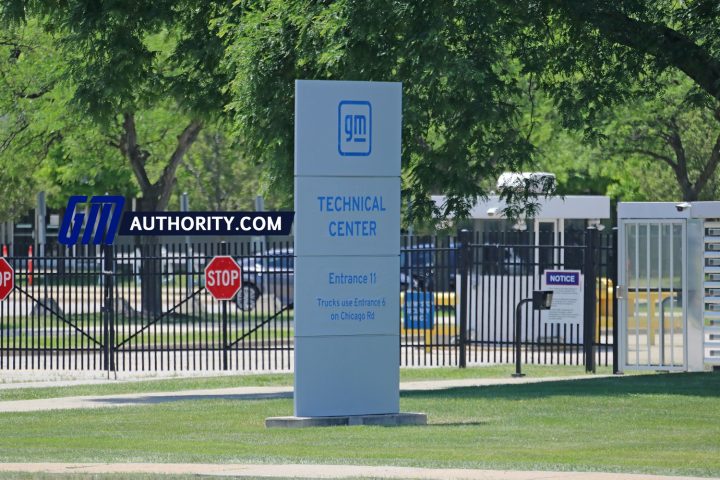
(280,379)
(668,424)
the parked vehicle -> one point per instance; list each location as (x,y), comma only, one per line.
(416,267)
(428,266)
(272,273)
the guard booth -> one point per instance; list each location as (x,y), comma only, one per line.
(669,285)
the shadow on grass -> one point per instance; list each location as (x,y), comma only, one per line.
(454,424)
(705,384)
(153,399)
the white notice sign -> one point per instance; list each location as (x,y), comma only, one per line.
(568,296)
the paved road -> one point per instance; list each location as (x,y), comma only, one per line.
(317,471)
(242,393)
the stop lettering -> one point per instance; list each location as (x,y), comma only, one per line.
(223,277)
(7,279)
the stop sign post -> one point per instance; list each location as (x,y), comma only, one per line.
(223,277)
(7,279)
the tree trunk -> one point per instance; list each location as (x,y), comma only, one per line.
(155,197)
(150,267)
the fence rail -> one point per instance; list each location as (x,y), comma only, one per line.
(146,308)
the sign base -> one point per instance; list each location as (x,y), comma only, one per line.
(385,420)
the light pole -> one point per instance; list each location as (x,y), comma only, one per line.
(541,300)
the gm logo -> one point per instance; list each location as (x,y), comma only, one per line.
(102,219)
(354,128)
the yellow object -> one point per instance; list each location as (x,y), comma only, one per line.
(440,329)
(651,303)
(604,307)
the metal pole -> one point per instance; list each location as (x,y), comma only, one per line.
(223,307)
(11,237)
(589,326)
(464,264)
(616,315)
(40,227)
(260,207)
(109,309)
(518,337)
(185,207)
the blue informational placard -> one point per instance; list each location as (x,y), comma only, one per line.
(419,310)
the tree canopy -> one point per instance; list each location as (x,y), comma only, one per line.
(134,80)
(466,66)
(470,70)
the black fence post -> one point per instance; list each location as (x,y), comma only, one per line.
(615,315)
(589,326)
(464,259)
(223,307)
(108,308)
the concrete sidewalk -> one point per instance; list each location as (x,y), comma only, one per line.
(317,471)
(244,393)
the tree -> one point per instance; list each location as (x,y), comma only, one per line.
(220,177)
(146,76)
(460,111)
(464,65)
(633,157)
(678,129)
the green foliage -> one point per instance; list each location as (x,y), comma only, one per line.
(639,150)
(219,177)
(661,145)
(460,117)
(467,69)
(128,56)
(124,91)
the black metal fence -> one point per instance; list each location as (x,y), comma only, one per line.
(468,287)
(146,307)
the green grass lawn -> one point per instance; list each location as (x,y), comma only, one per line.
(174,384)
(666,424)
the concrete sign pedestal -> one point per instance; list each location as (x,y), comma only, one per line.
(388,420)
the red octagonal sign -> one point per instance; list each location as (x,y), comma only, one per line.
(223,277)
(7,279)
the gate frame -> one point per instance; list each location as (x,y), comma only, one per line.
(692,243)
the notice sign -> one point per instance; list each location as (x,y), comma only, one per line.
(568,299)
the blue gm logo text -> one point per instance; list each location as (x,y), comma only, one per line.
(103,219)
(354,128)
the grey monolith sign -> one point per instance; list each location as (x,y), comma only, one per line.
(347,244)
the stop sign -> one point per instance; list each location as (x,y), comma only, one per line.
(7,279)
(223,277)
